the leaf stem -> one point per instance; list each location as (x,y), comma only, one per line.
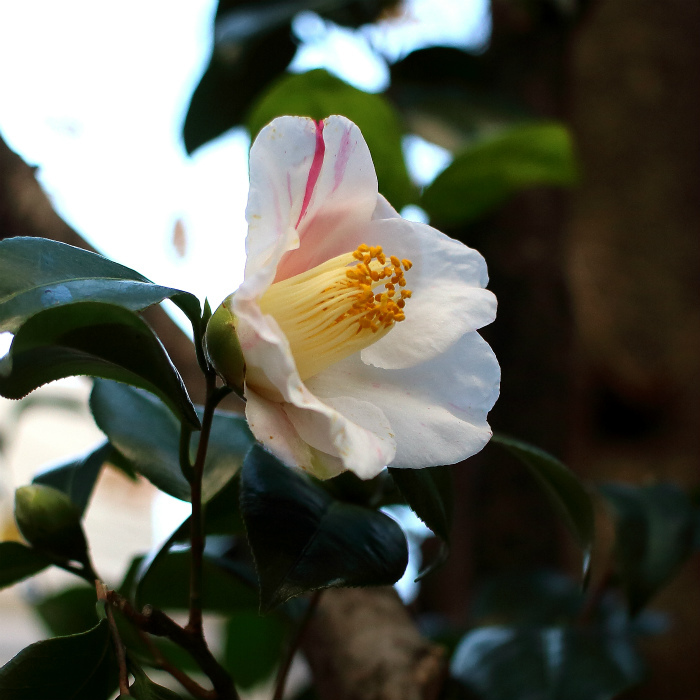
(194,624)
(116,639)
(294,645)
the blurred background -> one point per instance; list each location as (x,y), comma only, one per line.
(558,137)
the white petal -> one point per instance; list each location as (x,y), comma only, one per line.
(437,410)
(270,425)
(447,280)
(384,210)
(355,431)
(356,434)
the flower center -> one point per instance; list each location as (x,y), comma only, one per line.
(335,309)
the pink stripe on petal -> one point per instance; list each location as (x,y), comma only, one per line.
(341,162)
(314,171)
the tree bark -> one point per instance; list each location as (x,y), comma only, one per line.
(633,261)
(362,645)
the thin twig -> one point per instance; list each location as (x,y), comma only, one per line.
(294,645)
(156,622)
(190,685)
(118,646)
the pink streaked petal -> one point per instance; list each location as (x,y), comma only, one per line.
(343,199)
(280,161)
(314,171)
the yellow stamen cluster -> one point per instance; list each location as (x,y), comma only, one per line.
(334,310)
(384,308)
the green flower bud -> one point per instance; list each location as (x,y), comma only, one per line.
(223,349)
(49,521)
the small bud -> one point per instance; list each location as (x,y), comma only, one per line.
(223,348)
(49,521)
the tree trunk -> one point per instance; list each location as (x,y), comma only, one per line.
(633,259)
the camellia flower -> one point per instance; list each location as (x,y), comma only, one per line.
(358,328)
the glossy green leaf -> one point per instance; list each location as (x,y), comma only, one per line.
(147,434)
(94,339)
(654,533)
(78,667)
(318,94)
(486,173)
(69,612)
(556,663)
(253,646)
(36,274)
(566,493)
(77,478)
(17,562)
(303,540)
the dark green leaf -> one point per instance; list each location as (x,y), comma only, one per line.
(254,645)
(318,94)
(485,174)
(430,494)
(69,612)
(78,667)
(237,73)
(165,584)
(534,598)
(146,433)
(654,535)
(564,490)
(556,663)
(17,562)
(302,539)
(36,273)
(77,478)
(95,339)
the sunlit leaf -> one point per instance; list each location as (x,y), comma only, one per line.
(36,274)
(94,339)
(318,94)
(78,667)
(654,533)
(486,173)
(302,539)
